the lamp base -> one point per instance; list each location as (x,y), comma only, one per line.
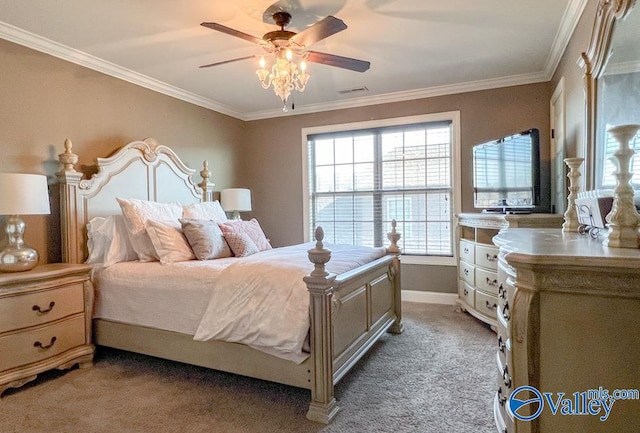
(18,259)
(17,256)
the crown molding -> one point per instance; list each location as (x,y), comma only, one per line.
(568,24)
(55,49)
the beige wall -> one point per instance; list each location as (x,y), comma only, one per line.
(45,100)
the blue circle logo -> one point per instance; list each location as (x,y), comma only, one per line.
(525,397)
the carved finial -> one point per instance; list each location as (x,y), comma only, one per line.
(205,173)
(207,187)
(68,158)
(393,237)
(319,255)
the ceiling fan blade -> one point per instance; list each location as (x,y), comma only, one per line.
(322,29)
(338,61)
(226,61)
(233,32)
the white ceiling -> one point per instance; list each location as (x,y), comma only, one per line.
(417,48)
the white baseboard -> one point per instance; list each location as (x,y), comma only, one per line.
(429,297)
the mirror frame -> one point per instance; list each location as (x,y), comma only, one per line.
(593,62)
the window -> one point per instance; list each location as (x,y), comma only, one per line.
(362,176)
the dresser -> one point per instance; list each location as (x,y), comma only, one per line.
(568,322)
(45,321)
(478,258)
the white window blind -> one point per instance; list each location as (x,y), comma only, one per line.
(361,180)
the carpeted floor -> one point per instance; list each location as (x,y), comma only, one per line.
(438,376)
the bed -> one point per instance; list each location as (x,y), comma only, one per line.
(347,312)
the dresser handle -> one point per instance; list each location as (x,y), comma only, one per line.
(502,292)
(466,271)
(466,250)
(491,306)
(506,314)
(505,377)
(501,399)
(39,310)
(465,291)
(491,282)
(501,344)
(492,258)
(48,346)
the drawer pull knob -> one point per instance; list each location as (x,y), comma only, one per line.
(466,250)
(41,311)
(491,306)
(48,346)
(492,257)
(501,344)
(466,292)
(491,282)
(466,271)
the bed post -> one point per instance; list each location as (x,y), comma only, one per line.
(69,180)
(207,187)
(323,405)
(394,249)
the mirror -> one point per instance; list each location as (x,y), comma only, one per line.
(612,85)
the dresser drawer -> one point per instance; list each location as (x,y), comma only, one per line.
(486,304)
(487,257)
(467,293)
(36,344)
(487,281)
(467,251)
(35,308)
(467,273)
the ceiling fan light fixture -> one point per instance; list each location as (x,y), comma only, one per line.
(285,76)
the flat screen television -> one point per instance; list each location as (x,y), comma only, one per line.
(506,173)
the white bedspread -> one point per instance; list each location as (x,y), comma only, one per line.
(262,301)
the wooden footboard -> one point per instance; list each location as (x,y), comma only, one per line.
(349,313)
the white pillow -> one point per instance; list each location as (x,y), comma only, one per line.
(208,210)
(169,242)
(136,214)
(108,241)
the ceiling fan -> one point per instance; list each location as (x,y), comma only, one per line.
(278,41)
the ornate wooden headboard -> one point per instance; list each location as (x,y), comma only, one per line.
(143,170)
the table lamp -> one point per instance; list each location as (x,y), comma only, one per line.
(21,194)
(235,200)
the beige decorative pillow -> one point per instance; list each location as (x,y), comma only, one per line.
(241,244)
(208,210)
(205,238)
(250,228)
(136,214)
(169,242)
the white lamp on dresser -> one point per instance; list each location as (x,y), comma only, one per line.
(21,194)
(235,200)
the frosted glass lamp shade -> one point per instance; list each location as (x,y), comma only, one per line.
(21,194)
(235,200)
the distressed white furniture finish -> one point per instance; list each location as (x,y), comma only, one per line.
(45,321)
(348,312)
(569,321)
(478,258)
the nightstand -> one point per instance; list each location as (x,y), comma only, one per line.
(45,321)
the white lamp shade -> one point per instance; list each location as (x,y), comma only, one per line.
(235,199)
(23,194)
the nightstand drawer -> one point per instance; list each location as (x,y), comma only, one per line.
(25,347)
(35,308)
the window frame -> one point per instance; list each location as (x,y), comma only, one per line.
(448,116)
